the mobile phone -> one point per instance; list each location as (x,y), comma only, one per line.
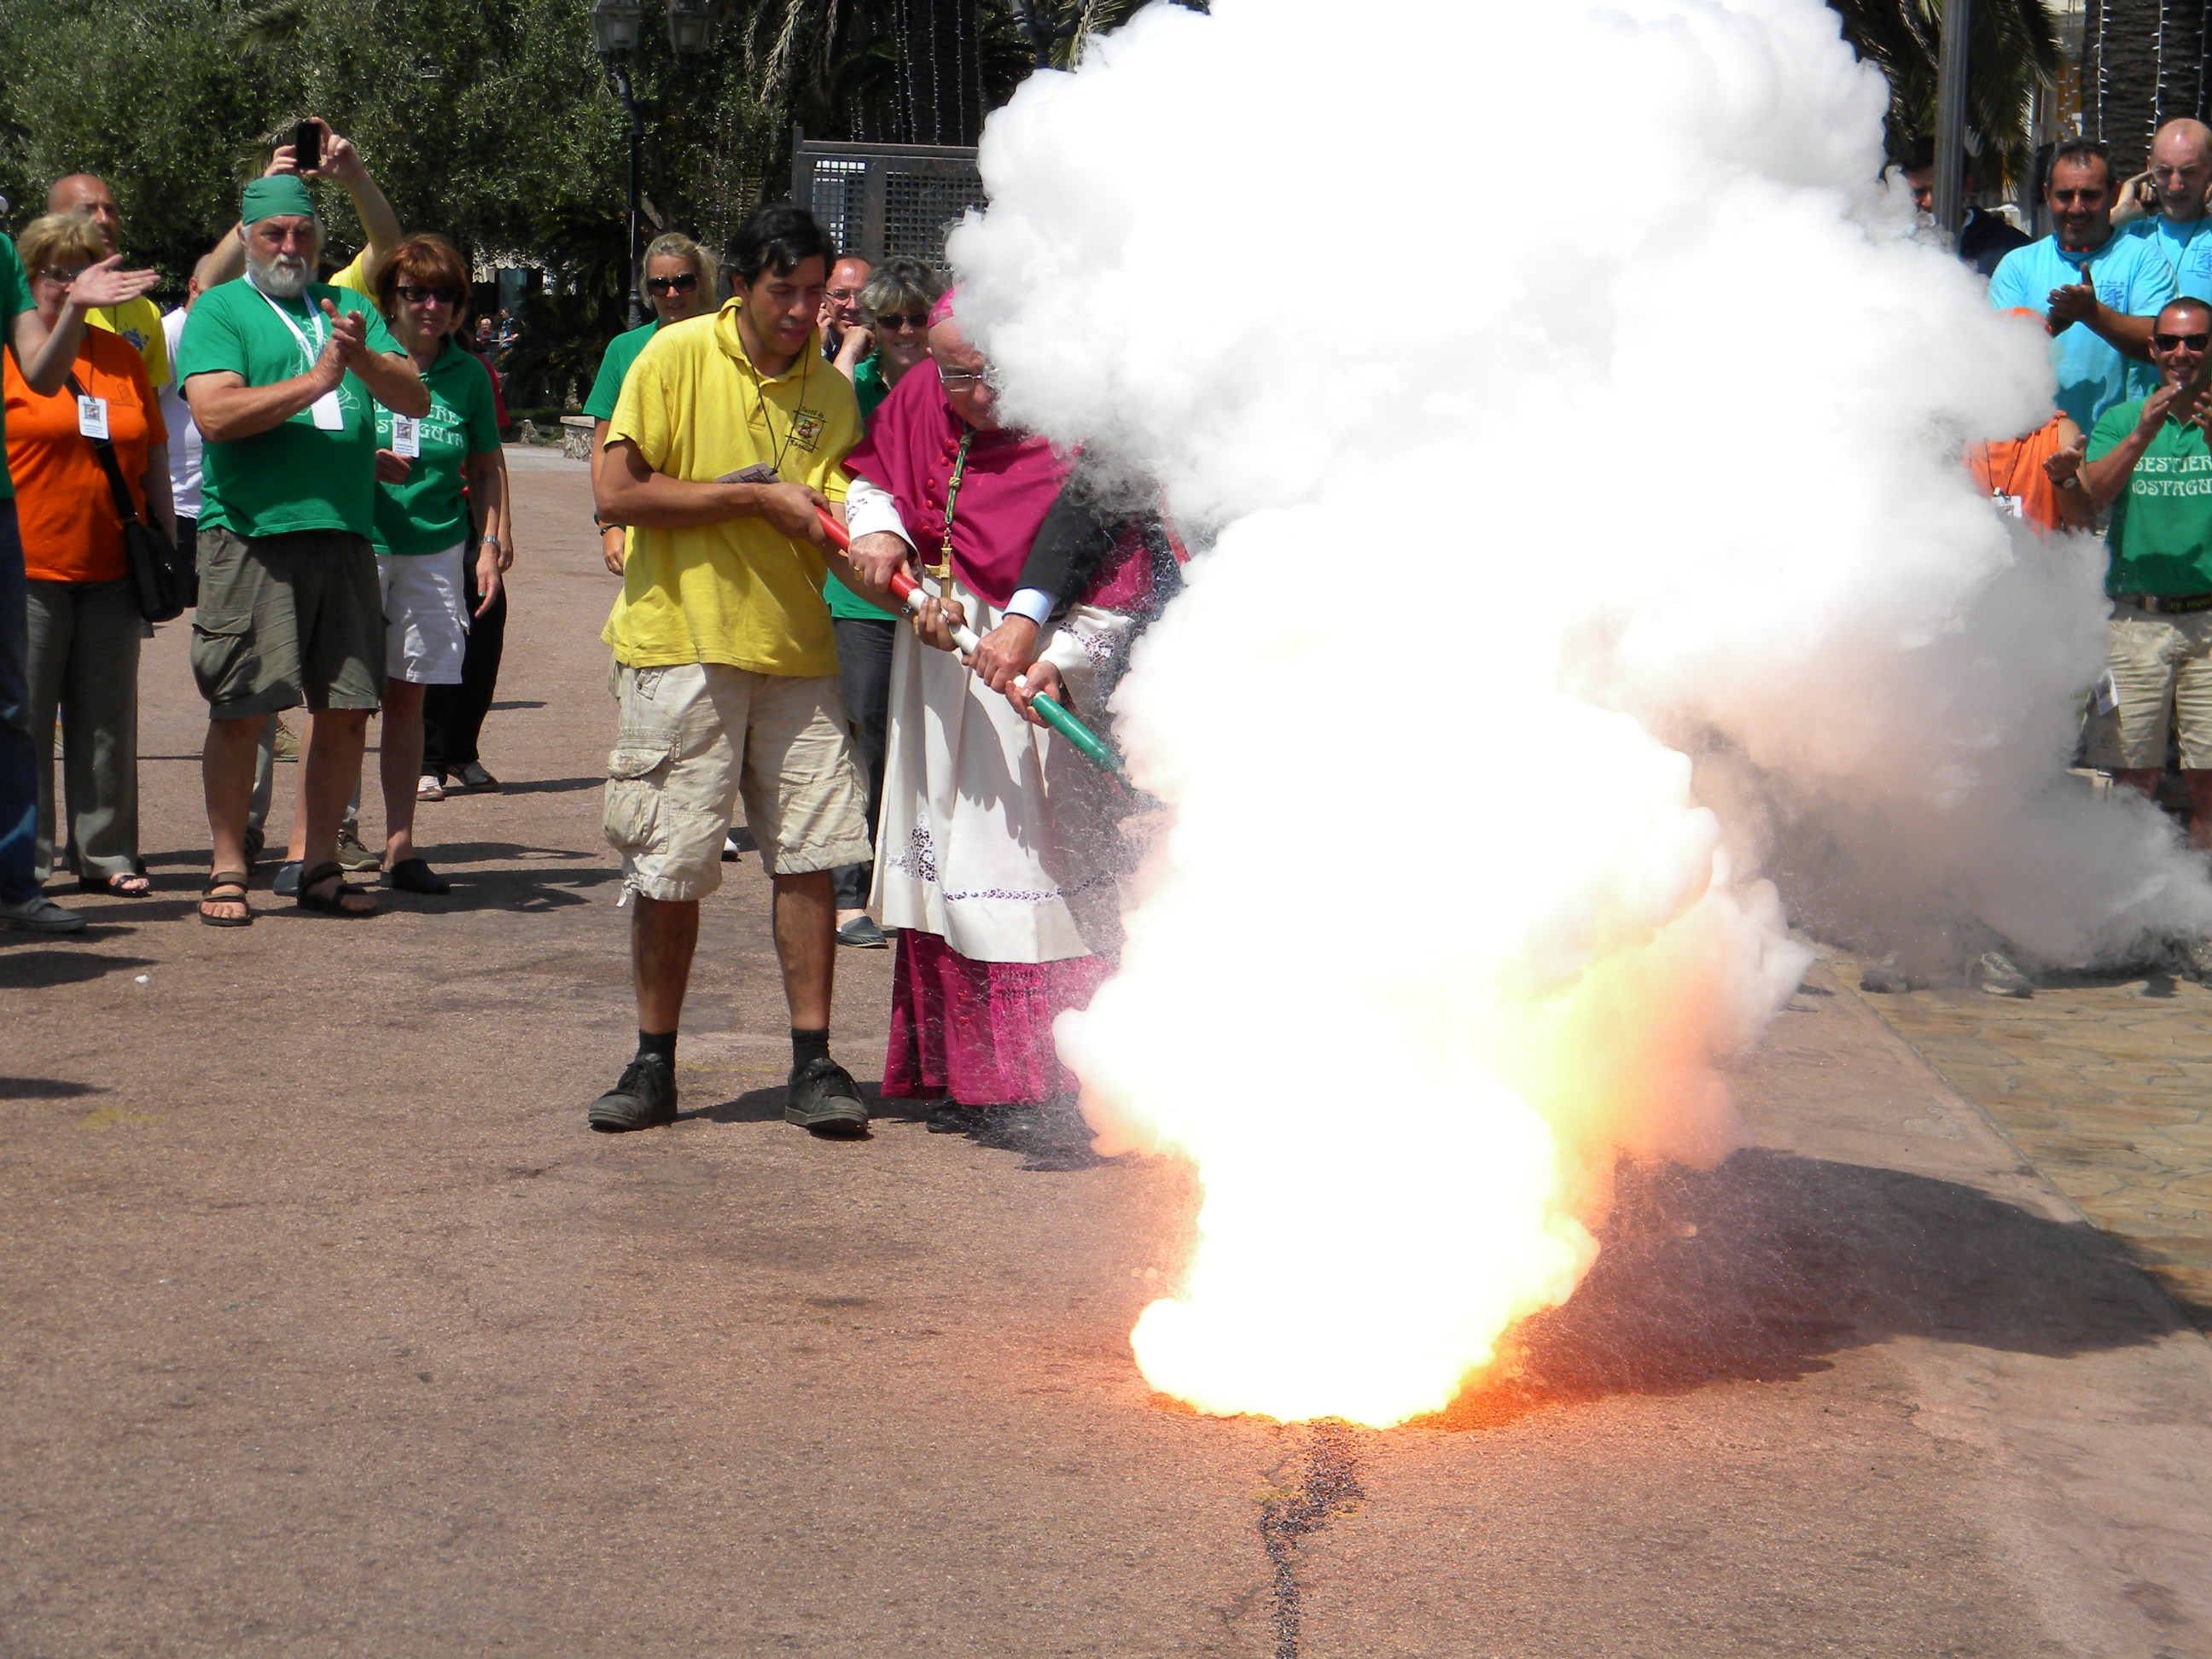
(307,147)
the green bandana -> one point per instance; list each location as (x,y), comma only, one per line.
(279,193)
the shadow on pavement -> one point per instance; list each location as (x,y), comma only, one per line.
(1758,1270)
(45,1088)
(42,968)
(552,785)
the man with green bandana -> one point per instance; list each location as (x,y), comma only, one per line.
(280,372)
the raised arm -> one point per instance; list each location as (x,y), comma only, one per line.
(225,261)
(45,354)
(2104,479)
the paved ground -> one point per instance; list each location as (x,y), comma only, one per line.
(329,1329)
(2107,1088)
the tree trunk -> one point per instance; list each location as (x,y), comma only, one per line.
(940,71)
(2143,64)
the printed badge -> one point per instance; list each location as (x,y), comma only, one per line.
(807,426)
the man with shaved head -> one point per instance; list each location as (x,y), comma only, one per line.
(137,320)
(2180,172)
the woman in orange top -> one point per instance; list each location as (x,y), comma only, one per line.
(84,622)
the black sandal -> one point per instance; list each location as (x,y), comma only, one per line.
(231,878)
(309,899)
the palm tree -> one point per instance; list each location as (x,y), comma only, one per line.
(2012,50)
(2143,64)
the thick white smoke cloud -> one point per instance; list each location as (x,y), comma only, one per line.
(1570,400)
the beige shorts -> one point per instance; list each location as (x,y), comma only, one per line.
(2161,669)
(692,739)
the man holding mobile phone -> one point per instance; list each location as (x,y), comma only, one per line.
(339,163)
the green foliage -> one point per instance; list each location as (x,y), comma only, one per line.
(2012,49)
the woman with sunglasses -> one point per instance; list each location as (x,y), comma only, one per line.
(679,284)
(84,626)
(430,473)
(895,306)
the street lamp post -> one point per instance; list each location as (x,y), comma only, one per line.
(616,26)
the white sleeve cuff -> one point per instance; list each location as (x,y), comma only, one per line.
(1031,602)
(869,508)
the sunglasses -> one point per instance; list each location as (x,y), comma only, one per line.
(57,274)
(910,319)
(422,296)
(2169,342)
(683,284)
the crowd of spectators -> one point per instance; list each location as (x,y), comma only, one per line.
(844,584)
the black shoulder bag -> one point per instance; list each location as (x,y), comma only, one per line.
(159,580)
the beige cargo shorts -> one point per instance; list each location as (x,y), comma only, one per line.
(692,740)
(2161,672)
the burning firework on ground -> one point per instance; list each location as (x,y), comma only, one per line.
(1581,487)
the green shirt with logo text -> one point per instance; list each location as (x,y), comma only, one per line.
(2160,535)
(295,475)
(430,513)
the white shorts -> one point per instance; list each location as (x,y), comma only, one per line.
(426,615)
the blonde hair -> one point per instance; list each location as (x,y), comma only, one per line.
(57,239)
(675,245)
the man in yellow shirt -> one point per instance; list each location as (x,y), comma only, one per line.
(725,442)
(139,320)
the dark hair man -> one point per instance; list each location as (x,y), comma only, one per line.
(2095,289)
(725,439)
(2173,188)
(1984,238)
(2146,460)
(280,370)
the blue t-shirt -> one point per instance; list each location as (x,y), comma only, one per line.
(2132,277)
(2187,249)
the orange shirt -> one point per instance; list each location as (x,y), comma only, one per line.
(2010,466)
(63,504)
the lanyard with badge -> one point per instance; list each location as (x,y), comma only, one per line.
(327,415)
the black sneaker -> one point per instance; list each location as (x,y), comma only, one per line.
(645,1098)
(862,933)
(826,1101)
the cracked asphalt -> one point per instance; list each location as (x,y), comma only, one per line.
(329,1329)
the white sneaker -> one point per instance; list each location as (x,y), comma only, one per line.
(427,788)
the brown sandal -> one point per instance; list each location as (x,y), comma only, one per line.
(235,880)
(308,899)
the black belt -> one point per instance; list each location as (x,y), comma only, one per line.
(2165,604)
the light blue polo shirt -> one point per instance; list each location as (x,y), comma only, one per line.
(2187,249)
(2132,277)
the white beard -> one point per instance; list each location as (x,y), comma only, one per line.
(284,277)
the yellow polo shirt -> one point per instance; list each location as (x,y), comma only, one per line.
(356,277)
(735,592)
(139,322)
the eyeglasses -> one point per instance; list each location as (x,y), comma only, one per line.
(683,284)
(909,320)
(2171,342)
(959,380)
(841,295)
(422,296)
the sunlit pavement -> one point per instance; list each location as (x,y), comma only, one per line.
(328,1329)
(2105,1086)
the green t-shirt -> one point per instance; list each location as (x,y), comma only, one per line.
(429,513)
(15,301)
(2160,535)
(869,389)
(614,366)
(295,475)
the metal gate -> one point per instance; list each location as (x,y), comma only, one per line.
(877,200)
